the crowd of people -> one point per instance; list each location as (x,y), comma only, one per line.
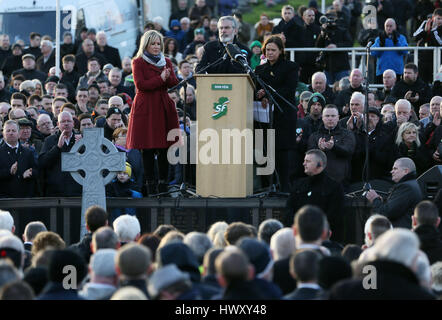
(322,137)
(233,261)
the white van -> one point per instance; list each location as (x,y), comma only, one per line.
(118,18)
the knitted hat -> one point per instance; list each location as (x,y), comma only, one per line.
(255,43)
(198,31)
(174,23)
(316,97)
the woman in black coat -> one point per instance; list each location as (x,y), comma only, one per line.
(282,75)
(408,144)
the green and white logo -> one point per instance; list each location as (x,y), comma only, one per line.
(220,108)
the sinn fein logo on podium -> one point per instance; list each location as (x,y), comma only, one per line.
(220,108)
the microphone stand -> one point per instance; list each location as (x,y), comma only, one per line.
(272,189)
(366,169)
(185,188)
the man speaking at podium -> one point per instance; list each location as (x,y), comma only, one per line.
(216,49)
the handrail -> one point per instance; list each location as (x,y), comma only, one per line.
(361,51)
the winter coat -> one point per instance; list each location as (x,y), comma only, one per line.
(339,157)
(394,282)
(153,113)
(400,203)
(389,59)
(283,77)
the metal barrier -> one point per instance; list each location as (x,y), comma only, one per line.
(361,51)
(154,211)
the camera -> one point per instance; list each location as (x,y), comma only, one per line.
(327,20)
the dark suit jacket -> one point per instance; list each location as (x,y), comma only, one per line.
(15,186)
(214,50)
(57,183)
(44,67)
(111,54)
(402,199)
(303,294)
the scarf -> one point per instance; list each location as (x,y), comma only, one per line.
(158,61)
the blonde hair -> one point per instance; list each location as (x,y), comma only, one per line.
(404,127)
(147,38)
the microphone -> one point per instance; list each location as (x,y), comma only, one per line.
(369,44)
(236,55)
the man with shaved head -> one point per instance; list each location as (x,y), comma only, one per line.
(389,59)
(342,100)
(403,197)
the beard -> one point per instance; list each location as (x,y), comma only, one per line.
(225,39)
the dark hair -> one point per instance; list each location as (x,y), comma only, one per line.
(437,12)
(331,106)
(351,252)
(18,77)
(163,229)
(209,259)
(32,35)
(150,241)
(69,58)
(33,98)
(304,265)
(81,89)
(84,116)
(59,98)
(166,46)
(309,221)
(93,59)
(278,42)
(19,96)
(426,213)
(182,62)
(378,226)
(67,105)
(411,66)
(237,230)
(17,290)
(96,217)
(100,101)
(61,86)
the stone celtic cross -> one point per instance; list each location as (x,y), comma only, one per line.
(87,155)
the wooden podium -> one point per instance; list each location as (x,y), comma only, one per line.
(224,101)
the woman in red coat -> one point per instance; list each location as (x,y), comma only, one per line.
(153,113)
